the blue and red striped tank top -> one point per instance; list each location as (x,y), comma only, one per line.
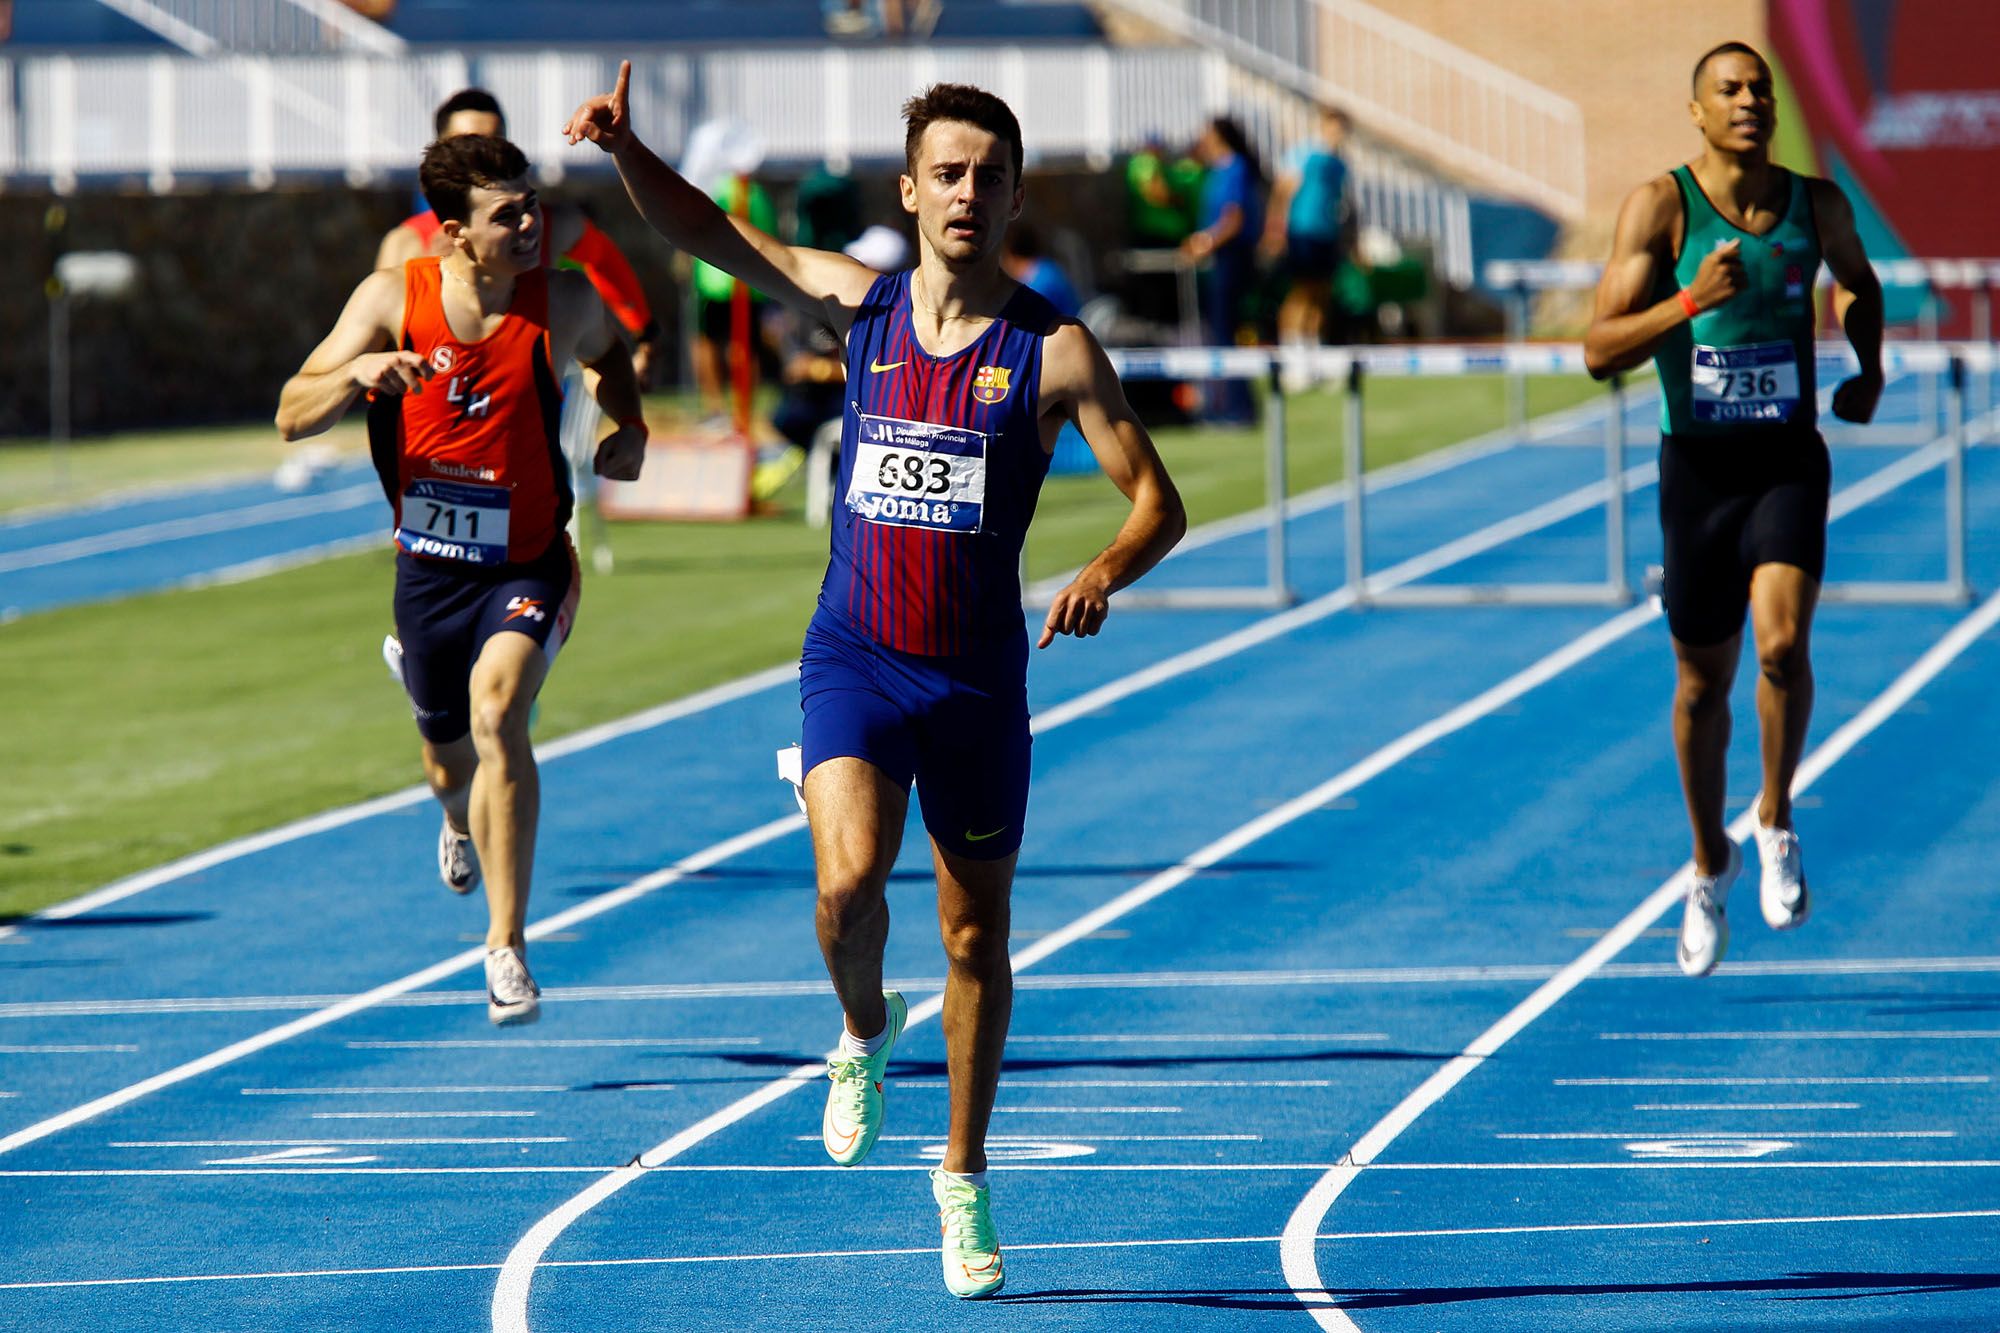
(941,462)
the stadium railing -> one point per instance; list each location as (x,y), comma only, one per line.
(1950,363)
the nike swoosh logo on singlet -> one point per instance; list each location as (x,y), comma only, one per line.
(877,367)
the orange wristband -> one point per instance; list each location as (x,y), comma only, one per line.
(1687,303)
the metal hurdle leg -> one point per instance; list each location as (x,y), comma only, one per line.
(1954,589)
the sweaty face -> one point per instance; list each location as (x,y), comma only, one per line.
(1735,106)
(504,231)
(963,191)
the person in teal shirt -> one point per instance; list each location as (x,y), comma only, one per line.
(1308,231)
(713,293)
(1711,276)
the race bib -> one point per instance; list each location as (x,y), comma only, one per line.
(454,520)
(1753,383)
(913,474)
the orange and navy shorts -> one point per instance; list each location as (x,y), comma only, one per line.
(445,613)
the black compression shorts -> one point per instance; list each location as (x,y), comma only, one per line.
(1729,504)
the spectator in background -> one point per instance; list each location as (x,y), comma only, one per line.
(1309,232)
(714,292)
(1161,196)
(1021,256)
(1231,222)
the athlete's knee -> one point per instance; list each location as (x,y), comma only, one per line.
(848,899)
(1700,695)
(1781,655)
(976,944)
(500,723)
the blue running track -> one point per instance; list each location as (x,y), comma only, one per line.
(1346,998)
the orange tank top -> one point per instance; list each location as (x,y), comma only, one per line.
(473,465)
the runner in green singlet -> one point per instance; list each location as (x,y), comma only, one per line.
(1711,276)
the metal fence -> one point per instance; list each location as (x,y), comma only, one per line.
(1408,84)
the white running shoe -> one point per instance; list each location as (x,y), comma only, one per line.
(1704,927)
(511,994)
(458,860)
(1781,890)
(392,657)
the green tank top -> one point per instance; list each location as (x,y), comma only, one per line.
(1747,364)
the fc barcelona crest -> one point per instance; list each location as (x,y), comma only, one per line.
(990,385)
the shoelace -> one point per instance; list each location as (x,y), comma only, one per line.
(850,1081)
(966,1224)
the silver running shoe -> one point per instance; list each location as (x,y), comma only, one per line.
(1781,890)
(1704,927)
(512,997)
(458,860)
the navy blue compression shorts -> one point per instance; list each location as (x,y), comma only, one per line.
(445,613)
(957,726)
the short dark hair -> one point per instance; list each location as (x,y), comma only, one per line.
(1727,49)
(454,167)
(962,102)
(469,99)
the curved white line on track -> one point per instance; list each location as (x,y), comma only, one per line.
(1298,1251)
(197,525)
(510,1295)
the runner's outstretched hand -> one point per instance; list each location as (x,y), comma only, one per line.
(606,119)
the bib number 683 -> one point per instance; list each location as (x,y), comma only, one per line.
(914,474)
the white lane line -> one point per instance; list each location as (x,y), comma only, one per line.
(1009,1139)
(419,1115)
(199,525)
(1148,1242)
(1641,1136)
(1015,1085)
(1087,1110)
(510,1296)
(1774,1081)
(1271,627)
(1499,973)
(1298,1255)
(591,737)
(450,1089)
(556,1043)
(1054,981)
(1206,1038)
(266,566)
(331,1143)
(414,981)
(307,1168)
(1747,1106)
(1852,1034)
(65,1050)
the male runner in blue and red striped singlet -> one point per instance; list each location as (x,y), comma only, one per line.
(915,663)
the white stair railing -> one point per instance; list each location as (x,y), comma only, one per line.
(261,27)
(1401,82)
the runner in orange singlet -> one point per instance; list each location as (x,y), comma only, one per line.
(461,358)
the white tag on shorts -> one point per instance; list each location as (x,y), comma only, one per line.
(454,520)
(1756,382)
(914,474)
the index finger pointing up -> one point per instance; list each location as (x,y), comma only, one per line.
(618,93)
